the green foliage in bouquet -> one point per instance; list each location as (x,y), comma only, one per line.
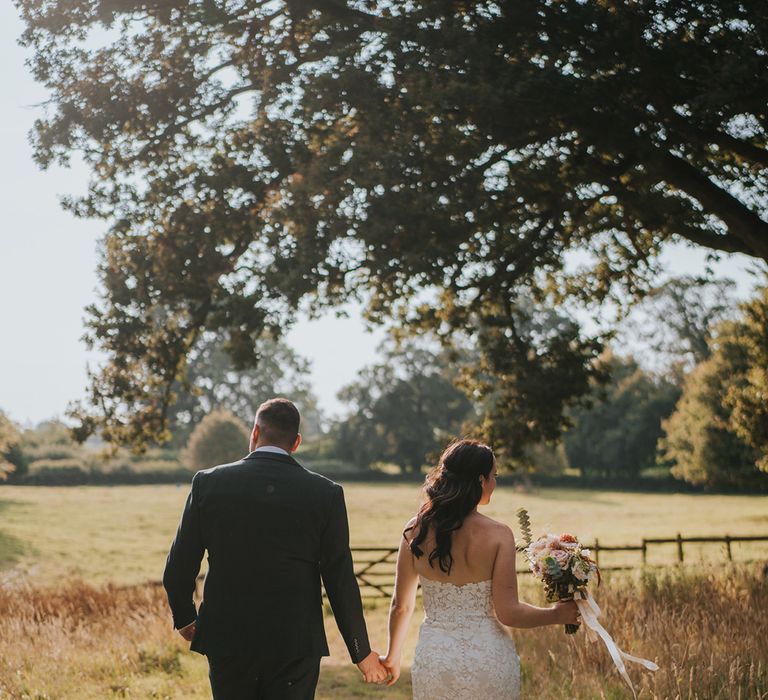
(525,528)
(553,570)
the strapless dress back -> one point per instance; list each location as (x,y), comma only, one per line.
(464,652)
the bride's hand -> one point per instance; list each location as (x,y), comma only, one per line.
(393,667)
(567,612)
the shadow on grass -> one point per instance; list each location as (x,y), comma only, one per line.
(337,682)
(11,550)
(583,496)
(6,503)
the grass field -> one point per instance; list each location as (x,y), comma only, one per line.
(80,621)
(122,533)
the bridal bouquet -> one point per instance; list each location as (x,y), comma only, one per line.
(565,567)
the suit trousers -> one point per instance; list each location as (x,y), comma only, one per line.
(252,677)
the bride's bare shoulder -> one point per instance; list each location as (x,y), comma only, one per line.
(409,531)
(500,532)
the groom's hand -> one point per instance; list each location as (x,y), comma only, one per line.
(188,632)
(372,670)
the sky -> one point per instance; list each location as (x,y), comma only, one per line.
(48,276)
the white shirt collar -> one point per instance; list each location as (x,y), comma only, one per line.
(271,448)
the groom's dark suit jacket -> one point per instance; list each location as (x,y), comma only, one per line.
(272,530)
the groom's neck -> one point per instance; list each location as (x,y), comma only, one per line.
(265,443)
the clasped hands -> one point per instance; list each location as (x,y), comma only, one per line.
(372,668)
(379,669)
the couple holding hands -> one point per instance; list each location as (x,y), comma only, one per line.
(273,531)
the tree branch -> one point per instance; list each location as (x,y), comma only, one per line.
(712,240)
(745,149)
(176,126)
(743,224)
(747,231)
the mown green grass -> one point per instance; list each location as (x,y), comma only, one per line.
(122,533)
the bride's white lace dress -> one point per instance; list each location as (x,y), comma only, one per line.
(464,652)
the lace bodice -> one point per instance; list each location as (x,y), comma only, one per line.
(464,652)
(458,604)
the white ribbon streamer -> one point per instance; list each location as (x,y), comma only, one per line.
(589,613)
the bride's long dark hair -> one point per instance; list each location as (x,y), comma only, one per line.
(453,490)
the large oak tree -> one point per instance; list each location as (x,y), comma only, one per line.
(253,155)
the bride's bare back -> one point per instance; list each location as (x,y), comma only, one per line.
(474,547)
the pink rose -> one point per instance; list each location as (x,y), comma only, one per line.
(562,557)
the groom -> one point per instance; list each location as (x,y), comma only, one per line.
(272,530)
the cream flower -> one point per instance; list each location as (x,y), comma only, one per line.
(581,569)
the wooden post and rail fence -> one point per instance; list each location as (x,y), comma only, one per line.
(375,566)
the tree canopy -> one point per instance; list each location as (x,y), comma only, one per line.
(251,155)
(212,382)
(680,316)
(9,443)
(616,437)
(718,433)
(218,438)
(747,397)
(402,411)
(699,442)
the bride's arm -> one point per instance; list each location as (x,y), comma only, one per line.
(401,609)
(510,610)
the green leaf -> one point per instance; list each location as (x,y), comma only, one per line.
(525,528)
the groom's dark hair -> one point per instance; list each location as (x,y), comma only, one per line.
(278,421)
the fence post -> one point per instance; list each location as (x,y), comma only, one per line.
(645,551)
(679,547)
(728,547)
(597,551)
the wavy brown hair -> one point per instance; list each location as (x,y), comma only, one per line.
(453,490)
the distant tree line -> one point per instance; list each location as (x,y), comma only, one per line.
(47,454)
(700,415)
(691,403)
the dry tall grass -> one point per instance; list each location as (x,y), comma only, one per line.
(81,641)
(708,632)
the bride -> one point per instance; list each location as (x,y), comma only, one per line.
(466,564)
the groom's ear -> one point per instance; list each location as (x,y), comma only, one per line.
(296,443)
(254,437)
